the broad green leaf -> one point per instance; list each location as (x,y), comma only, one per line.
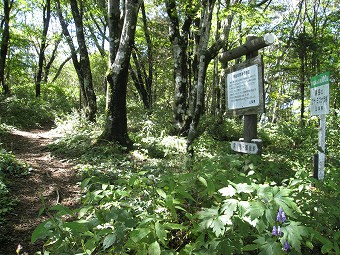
(203,181)
(243,187)
(161,193)
(250,247)
(139,233)
(256,209)
(41,231)
(173,226)
(160,232)
(293,232)
(154,249)
(228,191)
(109,241)
(77,226)
(228,208)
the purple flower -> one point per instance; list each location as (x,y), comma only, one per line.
(265,200)
(281,216)
(279,232)
(274,231)
(286,246)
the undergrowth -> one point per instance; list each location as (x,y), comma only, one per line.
(156,200)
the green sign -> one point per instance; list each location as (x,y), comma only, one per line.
(319,94)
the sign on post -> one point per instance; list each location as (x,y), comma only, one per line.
(319,94)
(320,106)
(243,147)
(244,88)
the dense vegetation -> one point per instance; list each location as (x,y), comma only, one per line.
(154,197)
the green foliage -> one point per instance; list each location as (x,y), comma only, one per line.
(9,167)
(24,110)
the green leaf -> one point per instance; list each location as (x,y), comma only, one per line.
(228,208)
(203,181)
(269,246)
(228,191)
(161,193)
(256,209)
(139,233)
(79,226)
(154,249)
(109,241)
(173,226)
(41,231)
(243,187)
(293,232)
(160,232)
(250,247)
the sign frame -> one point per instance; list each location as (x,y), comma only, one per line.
(260,108)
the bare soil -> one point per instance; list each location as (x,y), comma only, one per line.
(53,178)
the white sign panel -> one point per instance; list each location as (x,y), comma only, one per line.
(319,94)
(243,88)
(249,148)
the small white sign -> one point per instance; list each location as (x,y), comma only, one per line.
(319,94)
(249,148)
(243,88)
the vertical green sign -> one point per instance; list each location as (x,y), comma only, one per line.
(319,94)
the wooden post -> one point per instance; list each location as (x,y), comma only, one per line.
(250,121)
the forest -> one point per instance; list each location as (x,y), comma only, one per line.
(118,136)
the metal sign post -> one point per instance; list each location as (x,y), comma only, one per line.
(320,106)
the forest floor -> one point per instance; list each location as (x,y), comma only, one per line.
(52,178)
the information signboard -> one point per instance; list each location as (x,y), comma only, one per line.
(319,94)
(244,88)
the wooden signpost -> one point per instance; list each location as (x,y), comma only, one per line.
(244,89)
(320,106)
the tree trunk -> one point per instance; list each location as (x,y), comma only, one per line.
(82,66)
(116,119)
(138,78)
(203,61)
(46,23)
(179,44)
(4,44)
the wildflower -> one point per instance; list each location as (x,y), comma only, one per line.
(281,216)
(279,232)
(274,231)
(286,246)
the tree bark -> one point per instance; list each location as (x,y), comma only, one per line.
(89,101)
(116,119)
(4,44)
(82,66)
(46,23)
(203,62)
(179,44)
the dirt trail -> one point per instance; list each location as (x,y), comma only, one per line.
(50,177)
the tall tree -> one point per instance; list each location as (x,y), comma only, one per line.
(142,70)
(5,43)
(81,65)
(121,42)
(46,23)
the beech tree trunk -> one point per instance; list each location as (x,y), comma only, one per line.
(46,23)
(82,66)
(116,119)
(203,61)
(4,44)
(179,42)
(89,102)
